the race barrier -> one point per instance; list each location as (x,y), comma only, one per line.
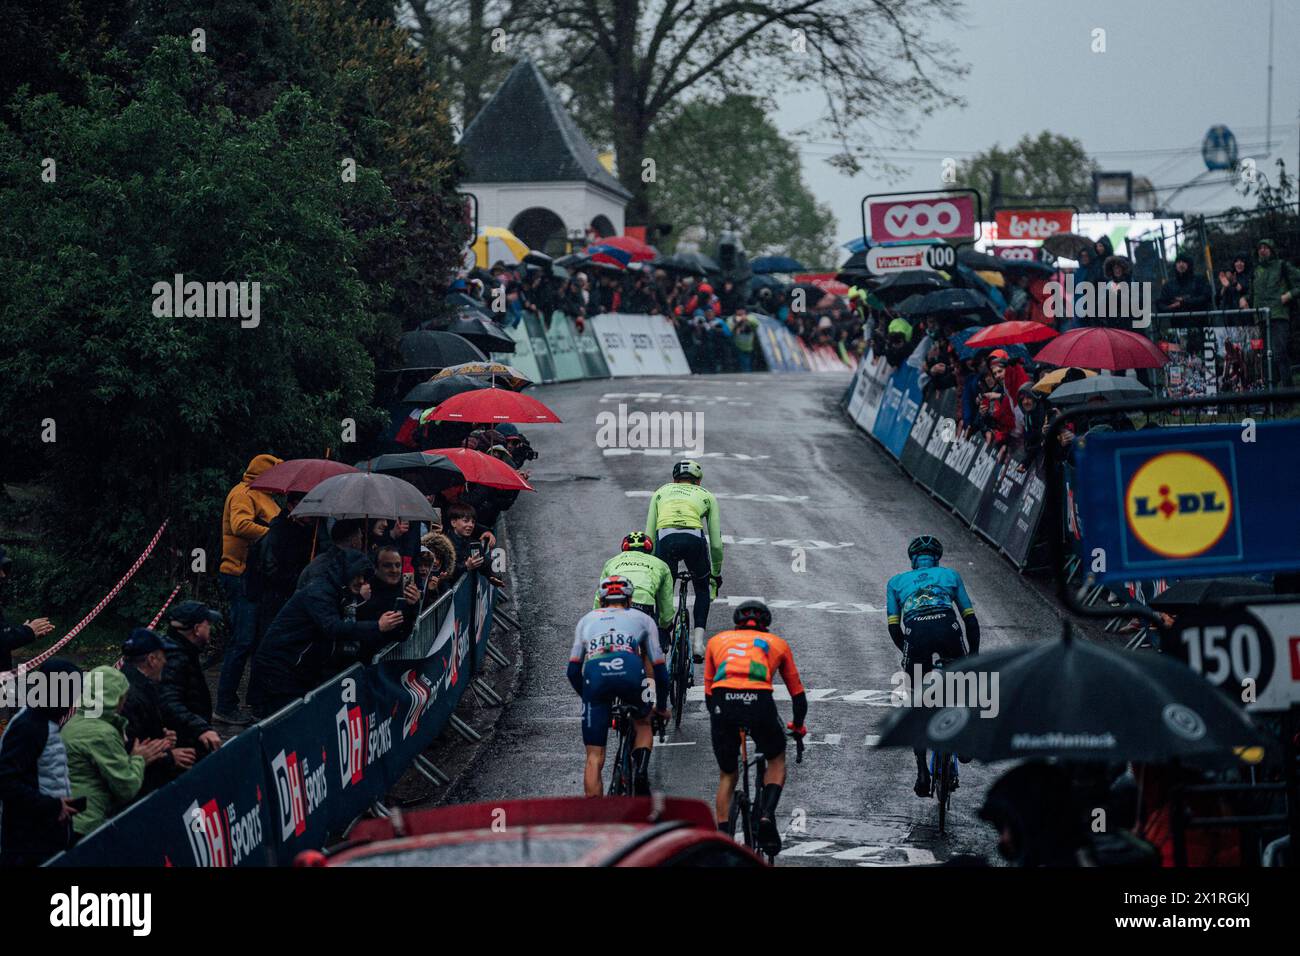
(300,777)
(639,345)
(555,350)
(783,351)
(999,497)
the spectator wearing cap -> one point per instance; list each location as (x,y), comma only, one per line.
(143,660)
(186,700)
(101,768)
(245,518)
(316,629)
(1185,290)
(36,807)
(14,636)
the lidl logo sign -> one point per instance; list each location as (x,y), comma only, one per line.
(1180,505)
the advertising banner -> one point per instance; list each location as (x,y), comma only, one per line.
(781,348)
(484,603)
(541,348)
(950,217)
(951,480)
(1025,224)
(670,347)
(941,436)
(593,361)
(639,345)
(927,416)
(877,373)
(1192,501)
(998,509)
(523,357)
(1255,646)
(898,410)
(217,818)
(564,348)
(978,482)
(1019,536)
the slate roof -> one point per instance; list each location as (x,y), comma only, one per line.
(524,134)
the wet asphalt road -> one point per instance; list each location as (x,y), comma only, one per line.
(806,479)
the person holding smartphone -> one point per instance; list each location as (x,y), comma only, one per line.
(392,588)
(473,544)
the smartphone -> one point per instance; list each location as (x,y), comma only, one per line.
(476,549)
(79,804)
(408,573)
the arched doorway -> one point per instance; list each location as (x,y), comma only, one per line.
(540,229)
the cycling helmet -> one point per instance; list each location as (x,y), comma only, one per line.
(615,588)
(753,615)
(687,469)
(638,541)
(925,544)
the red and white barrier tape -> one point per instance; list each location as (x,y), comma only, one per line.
(156,618)
(49,652)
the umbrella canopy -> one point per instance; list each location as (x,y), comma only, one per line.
(299,475)
(958,303)
(980,260)
(490,405)
(911,304)
(436,350)
(1102,347)
(961,342)
(1052,380)
(609,256)
(495,244)
(1193,592)
(427,471)
(463,300)
(483,469)
(438,390)
(638,250)
(696,263)
(1078,700)
(766,264)
(899,285)
(1115,387)
(497,373)
(365,495)
(994,279)
(1010,333)
(759,281)
(483,332)
(1032,267)
(1068,245)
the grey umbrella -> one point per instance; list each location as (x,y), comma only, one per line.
(365,495)
(694,262)
(1113,387)
(1078,700)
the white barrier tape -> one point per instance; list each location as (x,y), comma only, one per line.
(49,652)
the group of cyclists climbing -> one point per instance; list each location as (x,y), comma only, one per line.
(620,647)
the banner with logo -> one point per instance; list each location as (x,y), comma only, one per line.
(217,818)
(1023,224)
(940,438)
(564,348)
(949,217)
(639,345)
(523,357)
(484,604)
(927,417)
(541,348)
(998,510)
(951,480)
(1023,526)
(593,361)
(1193,501)
(781,348)
(1256,646)
(898,409)
(875,376)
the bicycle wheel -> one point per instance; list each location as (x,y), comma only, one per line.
(680,675)
(941,789)
(619,782)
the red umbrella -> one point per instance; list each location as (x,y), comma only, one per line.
(299,475)
(1099,347)
(483,469)
(489,405)
(641,252)
(1010,333)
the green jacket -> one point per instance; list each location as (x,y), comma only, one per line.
(652,582)
(744,332)
(99,766)
(1270,279)
(680,504)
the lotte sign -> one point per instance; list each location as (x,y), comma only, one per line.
(908,220)
(1032,223)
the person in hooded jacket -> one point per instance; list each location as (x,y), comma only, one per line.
(1234,284)
(245,518)
(100,767)
(317,623)
(36,809)
(1275,285)
(1185,290)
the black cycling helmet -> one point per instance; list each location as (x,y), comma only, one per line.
(925,544)
(638,541)
(753,615)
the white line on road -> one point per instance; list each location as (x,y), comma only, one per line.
(808,544)
(682,452)
(783,604)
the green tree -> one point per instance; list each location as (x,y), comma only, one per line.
(723,166)
(155,417)
(1044,168)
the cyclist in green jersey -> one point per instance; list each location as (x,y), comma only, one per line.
(650,577)
(683,522)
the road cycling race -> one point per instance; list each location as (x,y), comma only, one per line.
(848,439)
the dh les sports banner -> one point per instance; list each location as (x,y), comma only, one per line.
(1194,501)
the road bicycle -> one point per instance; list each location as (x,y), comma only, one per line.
(681,673)
(943,776)
(744,804)
(621,783)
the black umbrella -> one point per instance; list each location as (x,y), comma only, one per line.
(958,303)
(899,285)
(911,305)
(696,263)
(1078,700)
(980,260)
(855,271)
(1183,595)
(764,264)
(462,301)
(1033,267)
(428,472)
(433,350)
(438,390)
(483,332)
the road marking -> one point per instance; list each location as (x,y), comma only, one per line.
(731,496)
(824,695)
(806,544)
(872,740)
(682,452)
(784,604)
(676,743)
(672,398)
(831,739)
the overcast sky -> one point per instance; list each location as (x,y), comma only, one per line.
(1171,70)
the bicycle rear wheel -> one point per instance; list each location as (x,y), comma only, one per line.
(942,789)
(620,781)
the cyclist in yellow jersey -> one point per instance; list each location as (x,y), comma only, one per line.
(683,521)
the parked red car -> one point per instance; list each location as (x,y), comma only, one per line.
(563,831)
